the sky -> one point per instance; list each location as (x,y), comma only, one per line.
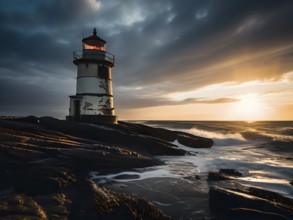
(175,60)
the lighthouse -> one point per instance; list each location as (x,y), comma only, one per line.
(93,101)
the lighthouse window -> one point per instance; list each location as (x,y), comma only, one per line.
(92,47)
(103,72)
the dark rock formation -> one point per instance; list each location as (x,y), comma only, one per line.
(45,163)
(56,205)
(112,205)
(215,176)
(186,139)
(17,207)
(113,135)
(230,172)
(249,203)
(223,174)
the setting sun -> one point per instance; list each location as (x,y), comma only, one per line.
(249,108)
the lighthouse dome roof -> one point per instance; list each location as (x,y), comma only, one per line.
(94,39)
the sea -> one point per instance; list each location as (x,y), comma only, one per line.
(261,150)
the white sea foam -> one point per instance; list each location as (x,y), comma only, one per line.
(210,134)
(220,139)
(140,173)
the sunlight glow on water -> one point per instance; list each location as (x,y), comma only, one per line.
(261,179)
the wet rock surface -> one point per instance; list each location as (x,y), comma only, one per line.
(45,162)
(228,199)
(230,172)
(249,203)
(224,174)
(179,198)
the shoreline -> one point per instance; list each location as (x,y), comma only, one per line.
(46,164)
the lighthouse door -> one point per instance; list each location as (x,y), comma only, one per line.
(76,109)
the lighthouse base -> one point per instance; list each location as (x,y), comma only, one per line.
(95,119)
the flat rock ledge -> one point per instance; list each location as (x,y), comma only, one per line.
(45,163)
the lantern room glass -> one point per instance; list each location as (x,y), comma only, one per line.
(94,47)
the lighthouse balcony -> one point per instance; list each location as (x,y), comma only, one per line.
(93,55)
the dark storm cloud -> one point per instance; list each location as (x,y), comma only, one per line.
(26,98)
(229,30)
(36,71)
(163,46)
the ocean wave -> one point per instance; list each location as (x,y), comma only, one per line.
(211,134)
(286,131)
(256,136)
(282,145)
(226,133)
(234,138)
(220,139)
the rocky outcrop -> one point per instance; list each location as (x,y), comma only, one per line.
(17,207)
(249,203)
(186,139)
(113,135)
(224,174)
(45,163)
(121,206)
(242,202)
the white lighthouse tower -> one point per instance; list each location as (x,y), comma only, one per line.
(93,101)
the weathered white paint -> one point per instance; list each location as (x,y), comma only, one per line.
(89,82)
(93,85)
(94,105)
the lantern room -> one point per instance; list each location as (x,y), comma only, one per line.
(94,42)
(94,50)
